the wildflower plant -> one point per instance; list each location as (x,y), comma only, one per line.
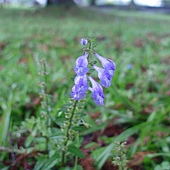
(83,82)
(54,139)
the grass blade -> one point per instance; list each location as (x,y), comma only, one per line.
(4,121)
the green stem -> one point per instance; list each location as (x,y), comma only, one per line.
(67,132)
(48,140)
(90,45)
(46,98)
(76,162)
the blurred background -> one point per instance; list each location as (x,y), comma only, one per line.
(151,3)
(134,34)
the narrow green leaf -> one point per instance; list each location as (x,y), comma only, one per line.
(91,144)
(5,168)
(40,163)
(29,140)
(158,154)
(78,128)
(50,163)
(163,144)
(100,160)
(129,132)
(76,151)
(4,121)
(82,114)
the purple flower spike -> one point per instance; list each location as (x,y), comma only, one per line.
(76,93)
(97,92)
(108,65)
(81,65)
(80,87)
(82,82)
(105,79)
(83,41)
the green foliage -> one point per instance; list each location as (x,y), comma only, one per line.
(5,120)
(136,106)
(76,151)
(163,166)
(103,155)
(44,162)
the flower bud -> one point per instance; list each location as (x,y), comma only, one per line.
(83,41)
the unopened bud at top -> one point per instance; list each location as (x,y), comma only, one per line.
(83,41)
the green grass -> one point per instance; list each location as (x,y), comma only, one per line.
(138,98)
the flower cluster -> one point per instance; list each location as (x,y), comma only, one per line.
(105,75)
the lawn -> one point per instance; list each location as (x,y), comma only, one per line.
(135,118)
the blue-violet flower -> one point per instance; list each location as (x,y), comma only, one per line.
(81,65)
(108,65)
(129,66)
(105,79)
(80,87)
(83,41)
(97,92)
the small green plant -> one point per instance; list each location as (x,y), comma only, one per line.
(120,157)
(56,137)
(80,88)
(163,166)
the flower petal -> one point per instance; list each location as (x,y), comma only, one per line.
(105,79)
(81,81)
(107,64)
(82,60)
(80,87)
(81,65)
(99,100)
(97,92)
(99,70)
(77,92)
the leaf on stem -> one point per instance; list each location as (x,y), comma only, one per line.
(76,151)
